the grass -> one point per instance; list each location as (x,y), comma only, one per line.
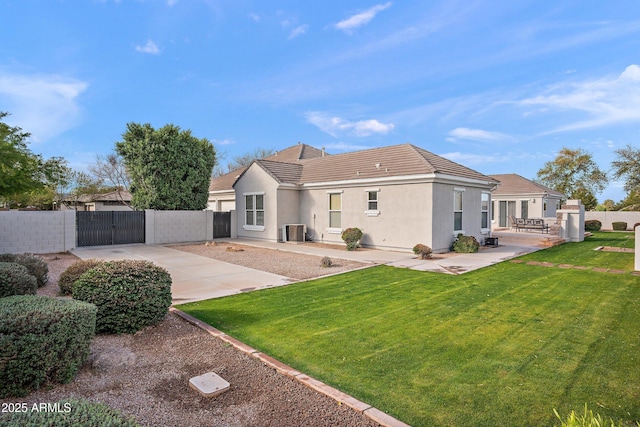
(583,253)
(504,345)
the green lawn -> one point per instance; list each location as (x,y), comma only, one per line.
(504,345)
(583,253)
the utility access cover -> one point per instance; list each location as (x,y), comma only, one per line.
(209,384)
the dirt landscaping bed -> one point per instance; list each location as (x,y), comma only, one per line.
(285,263)
(146,375)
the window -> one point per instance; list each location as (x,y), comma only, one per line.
(335,210)
(457,210)
(484,209)
(372,202)
(254,210)
(524,209)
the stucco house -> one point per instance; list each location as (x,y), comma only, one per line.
(519,197)
(111,201)
(398,195)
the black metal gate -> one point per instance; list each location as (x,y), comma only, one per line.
(221,224)
(109,227)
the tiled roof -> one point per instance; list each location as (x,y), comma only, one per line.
(282,172)
(511,183)
(396,160)
(292,154)
(303,164)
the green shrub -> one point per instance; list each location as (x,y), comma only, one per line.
(352,237)
(73,273)
(129,294)
(592,225)
(588,419)
(326,262)
(67,413)
(16,280)
(423,251)
(42,340)
(37,267)
(619,226)
(465,244)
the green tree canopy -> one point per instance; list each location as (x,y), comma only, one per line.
(573,173)
(627,166)
(20,170)
(169,169)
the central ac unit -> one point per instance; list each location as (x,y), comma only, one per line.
(293,232)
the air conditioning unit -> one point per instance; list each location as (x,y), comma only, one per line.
(293,232)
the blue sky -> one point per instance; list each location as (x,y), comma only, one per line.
(499,86)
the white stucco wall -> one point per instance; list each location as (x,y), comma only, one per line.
(37,232)
(609,217)
(256,180)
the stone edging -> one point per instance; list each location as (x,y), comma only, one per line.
(335,394)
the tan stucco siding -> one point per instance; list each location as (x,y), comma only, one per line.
(256,180)
(403,219)
(288,208)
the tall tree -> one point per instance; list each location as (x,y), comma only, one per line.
(111,171)
(627,166)
(169,169)
(19,168)
(574,173)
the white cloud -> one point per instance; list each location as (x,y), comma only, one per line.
(225,141)
(255,17)
(336,126)
(43,105)
(171,3)
(362,18)
(298,31)
(477,135)
(603,101)
(149,47)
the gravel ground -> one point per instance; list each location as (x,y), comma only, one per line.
(285,263)
(146,375)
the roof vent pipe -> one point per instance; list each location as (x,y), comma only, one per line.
(322,151)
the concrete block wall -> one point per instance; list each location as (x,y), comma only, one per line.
(164,227)
(37,232)
(609,217)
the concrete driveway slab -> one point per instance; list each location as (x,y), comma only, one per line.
(194,277)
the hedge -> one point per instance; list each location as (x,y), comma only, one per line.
(619,226)
(16,280)
(130,295)
(42,340)
(465,244)
(66,413)
(37,266)
(73,272)
(592,225)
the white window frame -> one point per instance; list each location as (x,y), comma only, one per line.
(457,210)
(330,229)
(486,211)
(372,210)
(255,226)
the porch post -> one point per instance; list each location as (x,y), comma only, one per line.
(637,264)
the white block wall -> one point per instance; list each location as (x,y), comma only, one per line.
(37,232)
(609,217)
(164,227)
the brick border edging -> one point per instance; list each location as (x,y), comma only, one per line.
(369,411)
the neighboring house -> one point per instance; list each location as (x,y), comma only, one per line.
(519,197)
(399,196)
(112,201)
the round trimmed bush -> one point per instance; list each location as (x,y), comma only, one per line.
(16,280)
(42,340)
(352,236)
(130,295)
(465,244)
(423,251)
(592,225)
(619,226)
(73,273)
(69,413)
(37,266)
